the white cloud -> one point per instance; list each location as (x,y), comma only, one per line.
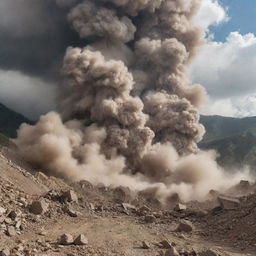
(211,13)
(233,107)
(23,93)
(227,70)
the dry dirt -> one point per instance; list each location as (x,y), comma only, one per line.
(111,227)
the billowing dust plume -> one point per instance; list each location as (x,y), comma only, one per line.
(128,115)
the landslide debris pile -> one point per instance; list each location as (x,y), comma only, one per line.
(236,226)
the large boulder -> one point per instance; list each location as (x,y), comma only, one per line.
(185,226)
(39,207)
(66,239)
(228,203)
(81,240)
(70,196)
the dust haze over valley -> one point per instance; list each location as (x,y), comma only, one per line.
(128,114)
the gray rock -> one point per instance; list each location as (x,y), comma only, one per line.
(85,184)
(173,199)
(39,207)
(144,210)
(127,206)
(171,252)
(2,210)
(208,252)
(214,193)
(198,213)
(70,196)
(185,226)
(228,203)
(91,206)
(180,207)
(8,220)
(66,239)
(70,211)
(122,194)
(5,252)
(18,224)
(150,219)
(11,231)
(81,240)
(145,245)
(14,214)
(41,177)
(166,244)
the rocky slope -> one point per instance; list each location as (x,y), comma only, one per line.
(42,215)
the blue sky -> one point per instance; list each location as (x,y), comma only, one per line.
(242,15)
(226,64)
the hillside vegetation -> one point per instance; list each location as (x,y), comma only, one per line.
(219,127)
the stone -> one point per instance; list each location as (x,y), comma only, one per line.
(66,239)
(5,252)
(208,252)
(81,240)
(11,231)
(18,224)
(23,201)
(41,177)
(185,226)
(122,194)
(171,252)
(70,211)
(127,206)
(8,220)
(14,214)
(85,184)
(150,219)
(214,193)
(91,206)
(39,207)
(173,199)
(144,210)
(198,213)
(70,196)
(166,244)
(228,203)
(244,184)
(145,245)
(180,207)
(2,210)
(42,233)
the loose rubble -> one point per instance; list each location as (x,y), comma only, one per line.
(83,219)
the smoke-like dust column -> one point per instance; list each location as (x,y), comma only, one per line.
(128,114)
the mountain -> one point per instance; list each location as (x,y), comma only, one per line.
(233,138)
(10,122)
(218,127)
(234,151)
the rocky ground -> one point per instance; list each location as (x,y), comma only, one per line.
(42,215)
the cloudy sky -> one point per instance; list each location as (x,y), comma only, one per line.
(225,65)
